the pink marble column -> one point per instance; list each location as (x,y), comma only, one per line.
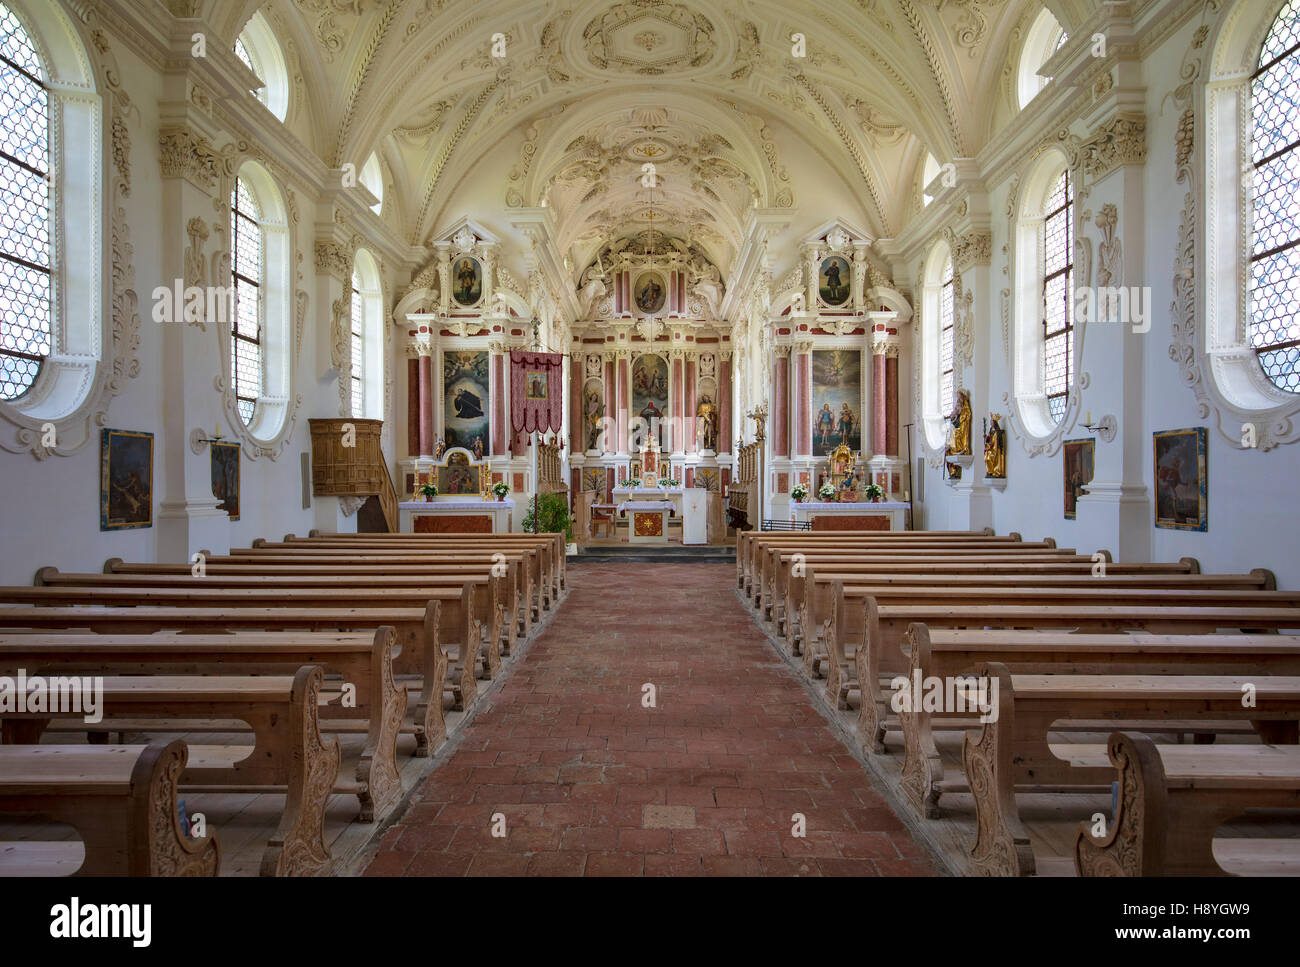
(577,406)
(609,443)
(426,406)
(781,407)
(689,425)
(724,406)
(803,404)
(677,423)
(498,428)
(622,413)
(413,406)
(891,405)
(878,405)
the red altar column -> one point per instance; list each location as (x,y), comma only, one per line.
(724,402)
(577,405)
(803,403)
(879,406)
(609,440)
(884,388)
(412,402)
(622,414)
(891,401)
(676,425)
(689,425)
(498,428)
(426,401)
(781,403)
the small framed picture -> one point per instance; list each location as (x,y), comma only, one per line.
(1181,479)
(125,480)
(225,477)
(1079,455)
(535,386)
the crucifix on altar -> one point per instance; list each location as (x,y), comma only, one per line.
(650,463)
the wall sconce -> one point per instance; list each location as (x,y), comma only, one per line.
(1105,429)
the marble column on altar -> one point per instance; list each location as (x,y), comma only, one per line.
(884,466)
(426,401)
(803,400)
(676,426)
(499,428)
(724,402)
(609,439)
(781,402)
(623,402)
(690,427)
(412,402)
(577,404)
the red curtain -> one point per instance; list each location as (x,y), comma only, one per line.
(536,391)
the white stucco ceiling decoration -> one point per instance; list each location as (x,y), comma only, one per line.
(650,37)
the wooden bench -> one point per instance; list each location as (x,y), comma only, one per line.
(121,799)
(879,648)
(945,655)
(1014,749)
(288,753)
(364,661)
(417,631)
(1172,799)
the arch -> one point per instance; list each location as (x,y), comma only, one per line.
(258,48)
(1044,396)
(264,422)
(372,176)
(367,338)
(929,172)
(69,285)
(1043,39)
(937,305)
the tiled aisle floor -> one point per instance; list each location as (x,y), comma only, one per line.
(590,782)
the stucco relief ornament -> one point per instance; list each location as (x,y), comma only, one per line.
(1109,267)
(464,240)
(838,239)
(196,271)
(964,329)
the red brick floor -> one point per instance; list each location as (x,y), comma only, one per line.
(590,782)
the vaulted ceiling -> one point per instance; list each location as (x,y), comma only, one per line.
(591,90)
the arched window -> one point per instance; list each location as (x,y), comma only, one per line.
(929,172)
(257,47)
(367,368)
(246,268)
(1058,289)
(26,284)
(1275,214)
(946,320)
(1043,39)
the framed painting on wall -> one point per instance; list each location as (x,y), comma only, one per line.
(1182,479)
(225,477)
(833,278)
(125,480)
(466,399)
(1078,463)
(466,281)
(650,292)
(836,400)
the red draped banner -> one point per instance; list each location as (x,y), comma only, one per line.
(536,391)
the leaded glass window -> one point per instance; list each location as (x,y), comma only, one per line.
(1275,218)
(25,279)
(246,349)
(945,340)
(358,351)
(1058,287)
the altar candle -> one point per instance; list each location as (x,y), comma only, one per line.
(1087,418)
(216,430)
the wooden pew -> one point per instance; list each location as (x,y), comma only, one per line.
(880,650)
(121,799)
(1014,749)
(1172,798)
(945,655)
(416,630)
(364,661)
(295,759)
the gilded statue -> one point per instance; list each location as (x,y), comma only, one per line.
(706,419)
(995,449)
(961,419)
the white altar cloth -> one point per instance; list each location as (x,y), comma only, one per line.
(646,506)
(457,504)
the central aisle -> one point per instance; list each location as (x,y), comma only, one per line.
(590,782)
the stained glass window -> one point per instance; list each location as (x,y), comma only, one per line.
(246,350)
(945,340)
(25,280)
(1058,287)
(1275,219)
(358,350)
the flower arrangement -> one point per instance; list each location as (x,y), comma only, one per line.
(826,492)
(500,488)
(668,482)
(799,492)
(428,491)
(874,492)
(633,482)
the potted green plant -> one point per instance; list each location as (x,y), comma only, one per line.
(428,491)
(826,492)
(799,492)
(553,514)
(875,493)
(500,488)
(633,483)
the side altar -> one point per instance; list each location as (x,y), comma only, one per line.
(850,508)
(459,499)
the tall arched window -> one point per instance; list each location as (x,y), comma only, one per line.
(372,176)
(246,268)
(1058,289)
(367,332)
(1275,216)
(1043,39)
(358,350)
(946,320)
(257,47)
(26,285)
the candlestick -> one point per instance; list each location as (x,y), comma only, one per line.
(1087,418)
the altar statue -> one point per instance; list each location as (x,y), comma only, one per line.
(961,419)
(707,421)
(995,450)
(595,410)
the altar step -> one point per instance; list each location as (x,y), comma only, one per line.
(655,553)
